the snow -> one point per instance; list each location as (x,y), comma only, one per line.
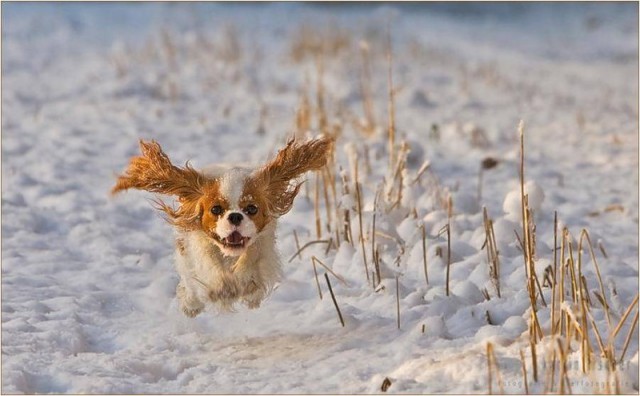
(88,285)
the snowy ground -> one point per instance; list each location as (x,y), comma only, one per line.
(87,280)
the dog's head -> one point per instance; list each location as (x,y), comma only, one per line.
(232,208)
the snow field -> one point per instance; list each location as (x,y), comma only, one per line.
(88,302)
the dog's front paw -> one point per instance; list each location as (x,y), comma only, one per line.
(191,312)
(189,304)
(228,291)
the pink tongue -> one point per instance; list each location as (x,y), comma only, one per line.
(235,237)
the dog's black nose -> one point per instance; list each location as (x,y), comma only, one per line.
(235,218)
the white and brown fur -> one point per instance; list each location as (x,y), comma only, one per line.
(227,254)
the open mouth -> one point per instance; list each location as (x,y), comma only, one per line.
(235,240)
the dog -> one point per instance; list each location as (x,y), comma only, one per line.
(225,220)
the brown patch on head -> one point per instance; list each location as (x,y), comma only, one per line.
(253,194)
(211,198)
(278,179)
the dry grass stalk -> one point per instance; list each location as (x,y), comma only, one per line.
(327,202)
(315,273)
(365,90)
(532,345)
(331,180)
(316,207)
(550,374)
(295,237)
(385,384)
(391,131)
(492,252)
(359,207)
(299,252)
(377,265)
(486,164)
(400,172)
(346,211)
(448,254)
(628,339)
(487,318)
(601,246)
(564,374)
(492,364)
(623,319)
(231,49)
(338,277)
(374,247)
(555,272)
(398,301)
(524,373)
(329,246)
(490,377)
(528,248)
(424,253)
(572,272)
(425,165)
(322,114)
(303,115)
(603,350)
(585,234)
(333,297)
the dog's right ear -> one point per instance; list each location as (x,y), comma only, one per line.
(154,172)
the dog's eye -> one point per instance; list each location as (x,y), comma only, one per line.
(251,209)
(217,210)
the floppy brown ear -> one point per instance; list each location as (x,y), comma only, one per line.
(280,176)
(154,172)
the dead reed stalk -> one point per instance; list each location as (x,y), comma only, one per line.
(398,301)
(424,253)
(492,364)
(333,297)
(299,252)
(338,277)
(524,373)
(315,272)
(492,252)
(365,90)
(528,240)
(359,207)
(391,131)
(448,230)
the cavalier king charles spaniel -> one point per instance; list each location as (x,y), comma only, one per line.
(225,219)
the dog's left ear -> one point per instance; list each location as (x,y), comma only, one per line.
(153,171)
(279,177)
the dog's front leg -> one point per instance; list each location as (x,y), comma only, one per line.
(250,282)
(186,291)
(225,290)
(190,305)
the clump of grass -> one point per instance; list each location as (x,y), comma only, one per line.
(308,42)
(572,325)
(571,319)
